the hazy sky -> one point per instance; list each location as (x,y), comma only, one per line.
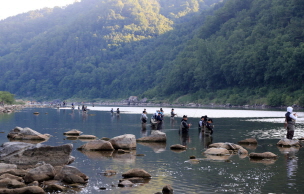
(14,7)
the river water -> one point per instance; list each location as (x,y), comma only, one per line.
(232,174)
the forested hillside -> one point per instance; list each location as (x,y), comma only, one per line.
(89,49)
(250,51)
(205,51)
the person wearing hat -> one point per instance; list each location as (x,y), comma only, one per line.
(159,118)
(172,113)
(290,119)
(202,123)
(184,128)
(209,127)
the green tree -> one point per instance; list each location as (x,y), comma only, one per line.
(7,97)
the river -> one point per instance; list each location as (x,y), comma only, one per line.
(232,174)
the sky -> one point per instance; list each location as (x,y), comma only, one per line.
(15,7)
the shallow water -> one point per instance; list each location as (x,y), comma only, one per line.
(210,175)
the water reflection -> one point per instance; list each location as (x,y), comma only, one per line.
(218,158)
(291,161)
(184,138)
(231,175)
(144,132)
(124,158)
(97,154)
(172,122)
(28,141)
(157,147)
(264,161)
(250,146)
(205,139)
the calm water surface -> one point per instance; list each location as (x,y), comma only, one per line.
(211,175)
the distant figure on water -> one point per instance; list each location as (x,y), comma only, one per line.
(84,109)
(159,120)
(290,120)
(172,113)
(112,111)
(144,117)
(118,111)
(162,112)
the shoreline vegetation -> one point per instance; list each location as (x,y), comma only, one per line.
(15,107)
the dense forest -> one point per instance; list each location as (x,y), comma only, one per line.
(205,51)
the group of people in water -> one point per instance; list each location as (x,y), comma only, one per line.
(117,111)
(205,125)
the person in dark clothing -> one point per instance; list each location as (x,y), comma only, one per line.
(202,123)
(184,127)
(144,117)
(172,113)
(209,127)
(118,111)
(290,119)
(159,120)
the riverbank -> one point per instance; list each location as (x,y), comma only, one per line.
(10,108)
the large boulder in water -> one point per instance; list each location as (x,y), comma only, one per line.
(40,173)
(289,143)
(234,148)
(30,189)
(97,145)
(248,141)
(70,175)
(178,147)
(156,136)
(73,132)
(167,189)
(126,141)
(26,155)
(217,151)
(136,172)
(19,133)
(264,155)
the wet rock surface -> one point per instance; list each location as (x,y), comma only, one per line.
(28,155)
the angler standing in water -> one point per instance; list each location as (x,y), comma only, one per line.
(202,123)
(209,127)
(184,127)
(172,114)
(144,117)
(184,130)
(290,120)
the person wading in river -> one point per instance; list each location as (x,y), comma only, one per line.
(290,122)
(184,127)
(144,117)
(202,123)
(209,127)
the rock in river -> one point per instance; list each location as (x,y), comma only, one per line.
(19,133)
(26,154)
